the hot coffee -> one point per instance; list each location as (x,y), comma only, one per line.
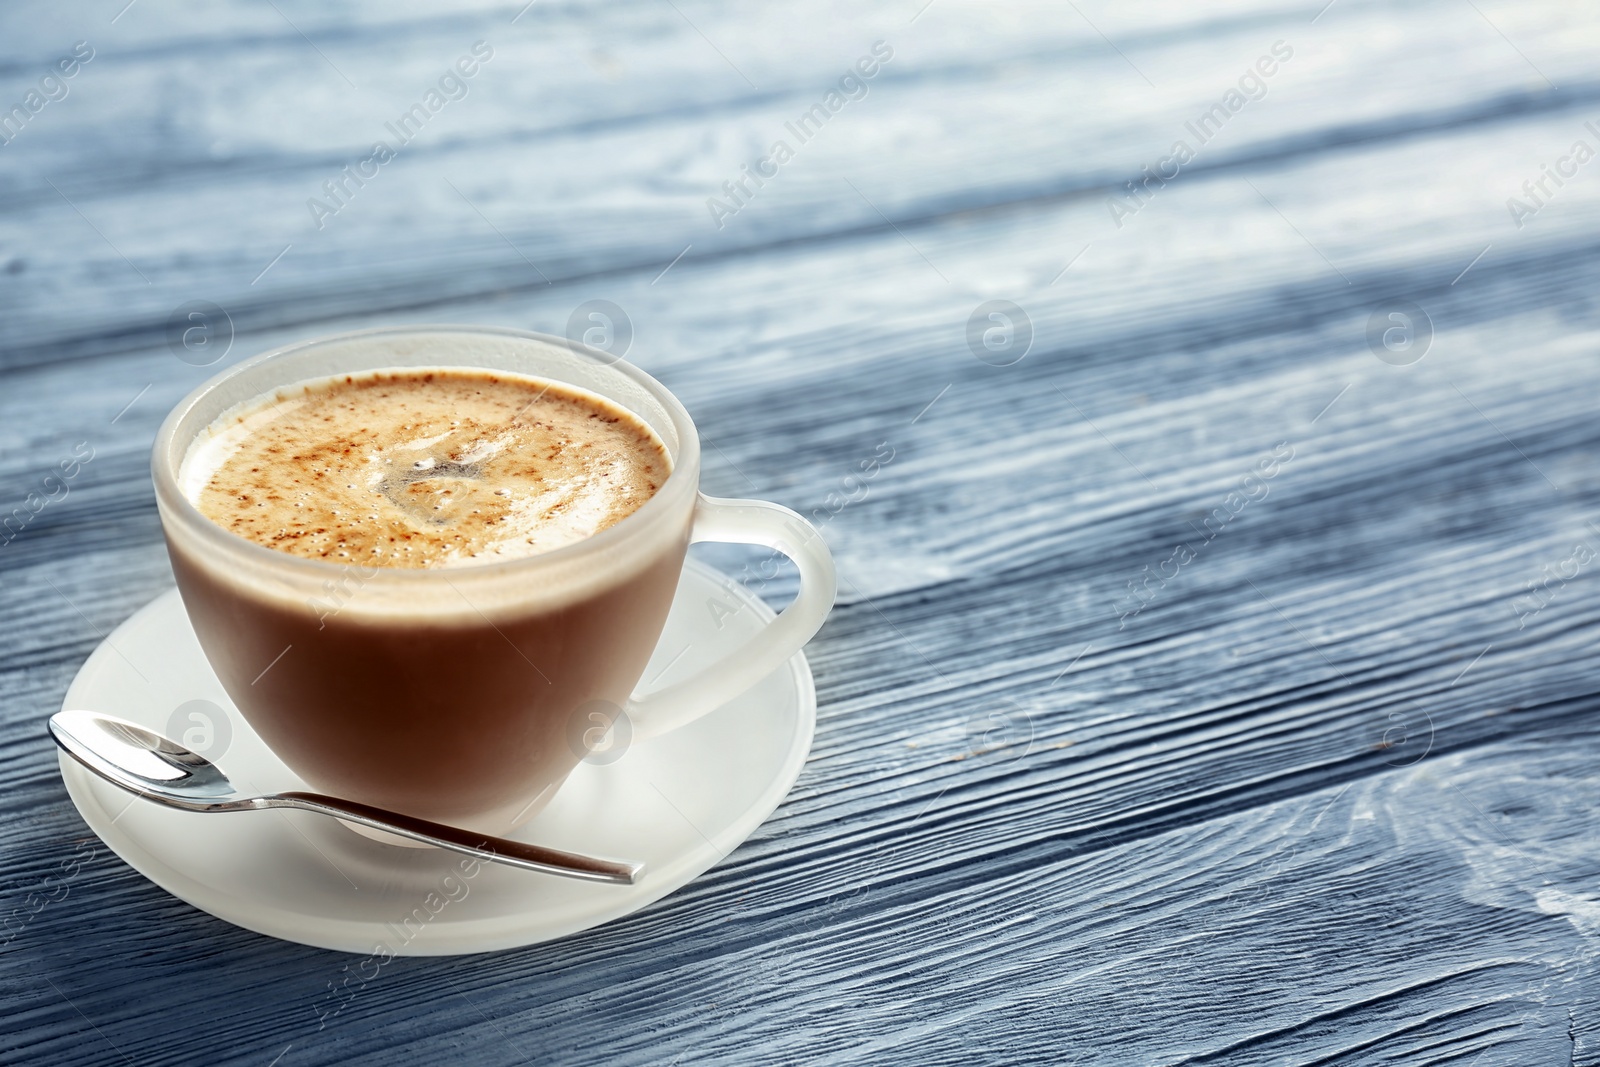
(425,469)
(428,563)
(389,702)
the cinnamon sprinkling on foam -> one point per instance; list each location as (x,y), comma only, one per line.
(433,469)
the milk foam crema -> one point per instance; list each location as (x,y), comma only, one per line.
(423,468)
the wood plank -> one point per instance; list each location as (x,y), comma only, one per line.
(1407,917)
(533,195)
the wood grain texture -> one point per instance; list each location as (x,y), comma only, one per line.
(1325,797)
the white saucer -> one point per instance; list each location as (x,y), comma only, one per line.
(679,803)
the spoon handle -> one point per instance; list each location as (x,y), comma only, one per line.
(468,842)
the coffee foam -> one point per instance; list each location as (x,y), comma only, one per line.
(423,467)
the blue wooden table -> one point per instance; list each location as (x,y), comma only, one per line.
(1214,677)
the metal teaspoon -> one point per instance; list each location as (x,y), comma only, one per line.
(159,769)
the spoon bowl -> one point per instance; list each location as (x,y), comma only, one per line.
(143,761)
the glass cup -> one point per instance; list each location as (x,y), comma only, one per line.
(465,695)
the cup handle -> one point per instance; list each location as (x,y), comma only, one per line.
(746,522)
